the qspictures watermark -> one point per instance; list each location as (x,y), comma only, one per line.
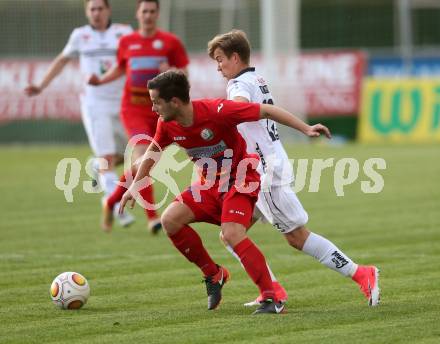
(218,172)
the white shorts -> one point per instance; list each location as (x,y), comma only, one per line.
(104,129)
(281,207)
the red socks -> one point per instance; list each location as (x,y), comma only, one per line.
(116,196)
(255,265)
(146,193)
(188,242)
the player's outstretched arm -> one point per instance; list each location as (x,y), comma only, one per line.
(112,74)
(149,159)
(55,68)
(240,99)
(282,116)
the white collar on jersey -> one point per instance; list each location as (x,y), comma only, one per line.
(248,69)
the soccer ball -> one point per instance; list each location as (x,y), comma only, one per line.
(69,290)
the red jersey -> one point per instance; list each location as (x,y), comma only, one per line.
(214,130)
(140,57)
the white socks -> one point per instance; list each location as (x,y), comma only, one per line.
(329,255)
(108,181)
(323,250)
(231,250)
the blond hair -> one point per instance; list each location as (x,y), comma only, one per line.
(234,41)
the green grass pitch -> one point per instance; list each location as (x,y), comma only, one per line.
(144,291)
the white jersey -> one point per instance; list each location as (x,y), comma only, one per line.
(261,136)
(97,54)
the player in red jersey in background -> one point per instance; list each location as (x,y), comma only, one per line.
(141,56)
(227,190)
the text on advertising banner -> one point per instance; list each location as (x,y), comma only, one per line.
(400,110)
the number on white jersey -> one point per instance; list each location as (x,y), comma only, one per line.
(270,127)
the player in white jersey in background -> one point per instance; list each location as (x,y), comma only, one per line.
(96,44)
(277,202)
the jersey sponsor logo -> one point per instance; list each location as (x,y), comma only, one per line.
(104,66)
(219,107)
(134,46)
(158,44)
(207,151)
(207,134)
(179,138)
(146,62)
(339,260)
(99,52)
(238,212)
(139,79)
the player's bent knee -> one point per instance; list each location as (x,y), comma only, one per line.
(233,233)
(297,237)
(175,216)
(231,239)
(169,223)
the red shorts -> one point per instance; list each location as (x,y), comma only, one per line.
(139,121)
(217,207)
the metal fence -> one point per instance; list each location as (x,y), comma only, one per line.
(41,27)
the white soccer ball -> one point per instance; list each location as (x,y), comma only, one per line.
(70,290)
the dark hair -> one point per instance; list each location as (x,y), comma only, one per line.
(106,2)
(234,41)
(171,84)
(141,1)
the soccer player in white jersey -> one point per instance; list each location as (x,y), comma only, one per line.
(96,44)
(277,202)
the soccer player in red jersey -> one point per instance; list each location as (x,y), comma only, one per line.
(227,190)
(141,56)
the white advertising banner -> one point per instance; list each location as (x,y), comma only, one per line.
(318,84)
